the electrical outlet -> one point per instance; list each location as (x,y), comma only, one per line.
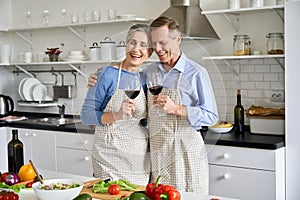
(277,96)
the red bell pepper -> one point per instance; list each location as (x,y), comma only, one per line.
(167,192)
(151,188)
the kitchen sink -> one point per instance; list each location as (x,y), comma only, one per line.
(53,121)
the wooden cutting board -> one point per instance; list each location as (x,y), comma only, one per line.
(88,188)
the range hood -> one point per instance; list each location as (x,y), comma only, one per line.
(193,24)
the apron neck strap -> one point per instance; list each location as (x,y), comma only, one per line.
(119,74)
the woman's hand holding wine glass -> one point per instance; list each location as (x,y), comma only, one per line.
(132,88)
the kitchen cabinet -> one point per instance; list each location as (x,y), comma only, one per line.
(3,149)
(39,146)
(74,153)
(237,172)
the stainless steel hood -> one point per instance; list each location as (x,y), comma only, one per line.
(193,24)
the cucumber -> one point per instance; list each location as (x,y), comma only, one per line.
(83,196)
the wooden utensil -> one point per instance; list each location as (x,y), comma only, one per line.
(36,172)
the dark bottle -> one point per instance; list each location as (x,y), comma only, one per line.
(239,114)
(15,153)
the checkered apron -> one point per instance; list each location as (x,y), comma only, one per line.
(120,149)
(177,150)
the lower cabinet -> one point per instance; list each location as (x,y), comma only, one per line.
(38,146)
(3,150)
(246,173)
(74,153)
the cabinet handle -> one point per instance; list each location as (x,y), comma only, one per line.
(225,155)
(226,176)
(86,158)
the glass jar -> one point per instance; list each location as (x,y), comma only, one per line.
(275,43)
(241,45)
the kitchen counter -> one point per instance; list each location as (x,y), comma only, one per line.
(228,139)
(29,194)
(245,140)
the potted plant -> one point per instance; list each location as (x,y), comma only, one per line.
(53,53)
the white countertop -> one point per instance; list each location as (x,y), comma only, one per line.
(29,194)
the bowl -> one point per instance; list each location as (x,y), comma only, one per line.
(65,194)
(220,130)
(76,53)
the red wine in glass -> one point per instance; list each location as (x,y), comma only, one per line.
(155,90)
(132,94)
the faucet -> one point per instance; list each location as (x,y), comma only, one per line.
(61,110)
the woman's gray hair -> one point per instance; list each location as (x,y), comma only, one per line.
(138,27)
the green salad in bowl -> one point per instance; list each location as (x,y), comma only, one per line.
(58,189)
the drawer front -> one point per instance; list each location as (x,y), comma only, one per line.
(241,157)
(245,184)
(74,140)
(74,161)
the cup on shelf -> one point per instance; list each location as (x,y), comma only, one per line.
(86,17)
(38,56)
(111,14)
(234,4)
(26,57)
(257,3)
(96,15)
(74,18)
(5,53)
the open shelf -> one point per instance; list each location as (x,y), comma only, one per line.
(242,57)
(243,10)
(136,19)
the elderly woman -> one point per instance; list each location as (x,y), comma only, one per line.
(120,149)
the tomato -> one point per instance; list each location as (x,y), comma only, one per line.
(114,189)
(29,184)
(6,197)
(14,197)
(3,175)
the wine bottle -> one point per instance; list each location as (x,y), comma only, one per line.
(239,114)
(15,153)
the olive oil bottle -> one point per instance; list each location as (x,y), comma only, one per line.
(239,116)
(15,153)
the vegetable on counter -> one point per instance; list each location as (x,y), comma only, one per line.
(16,188)
(27,173)
(138,195)
(83,196)
(114,189)
(158,191)
(102,186)
(11,179)
(167,192)
(151,188)
(8,195)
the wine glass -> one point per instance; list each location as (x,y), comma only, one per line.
(45,14)
(132,87)
(155,86)
(63,12)
(28,17)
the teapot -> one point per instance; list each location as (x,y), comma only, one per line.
(6,105)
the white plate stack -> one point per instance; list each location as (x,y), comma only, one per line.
(75,56)
(31,89)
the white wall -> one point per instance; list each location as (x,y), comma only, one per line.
(258,77)
(292,16)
